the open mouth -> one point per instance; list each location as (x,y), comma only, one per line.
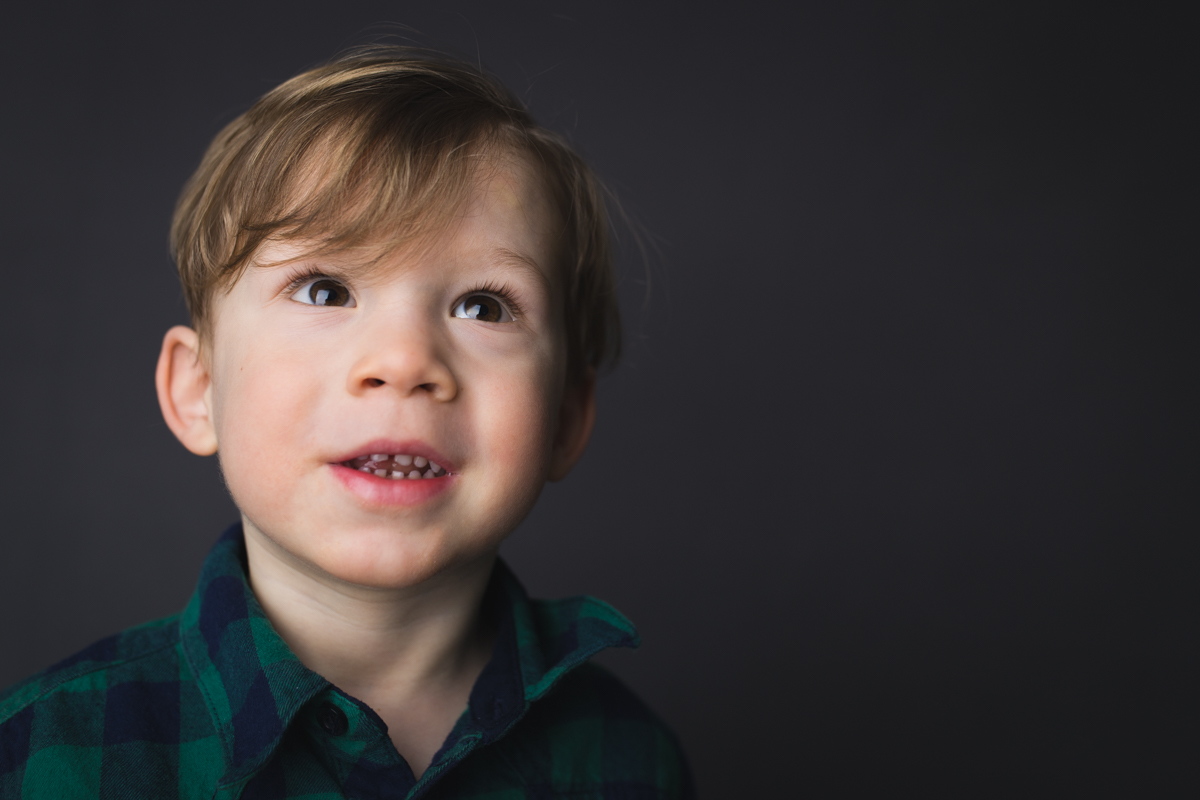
(396,467)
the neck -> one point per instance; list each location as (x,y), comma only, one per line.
(410,653)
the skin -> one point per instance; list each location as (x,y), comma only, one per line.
(379,596)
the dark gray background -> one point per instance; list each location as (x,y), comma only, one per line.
(892,476)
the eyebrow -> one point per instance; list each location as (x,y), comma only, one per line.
(525,264)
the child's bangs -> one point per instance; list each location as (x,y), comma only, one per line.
(364,190)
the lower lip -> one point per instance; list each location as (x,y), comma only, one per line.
(377,491)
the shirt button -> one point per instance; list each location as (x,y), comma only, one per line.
(332,719)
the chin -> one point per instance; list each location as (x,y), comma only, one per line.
(383,560)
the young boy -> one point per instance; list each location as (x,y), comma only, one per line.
(401,289)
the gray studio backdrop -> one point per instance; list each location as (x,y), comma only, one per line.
(887,475)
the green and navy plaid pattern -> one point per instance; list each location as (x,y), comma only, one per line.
(211,703)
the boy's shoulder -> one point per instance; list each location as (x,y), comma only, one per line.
(138,652)
(115,703)
(583,732)
(593,736)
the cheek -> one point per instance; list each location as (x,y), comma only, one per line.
(517,422)
(513,397)
(263,405)
(520,426)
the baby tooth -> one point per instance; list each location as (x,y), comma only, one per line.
(364,469)
(428,473)
(414,474)
(420,461)
(379,457)
(404,461)
(382,473)
(398,475)
(434,467)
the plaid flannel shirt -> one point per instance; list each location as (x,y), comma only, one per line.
(211,703)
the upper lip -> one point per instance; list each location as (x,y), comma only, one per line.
(411,447)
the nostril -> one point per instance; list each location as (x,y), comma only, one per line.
(374,382)
(429,387)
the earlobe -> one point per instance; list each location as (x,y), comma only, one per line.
(184,384)
(575,420)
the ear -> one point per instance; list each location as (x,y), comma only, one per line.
(184,395)
(575,419)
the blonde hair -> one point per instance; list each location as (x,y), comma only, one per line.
(377,146)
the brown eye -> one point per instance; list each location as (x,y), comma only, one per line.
(482,307)
(324,292)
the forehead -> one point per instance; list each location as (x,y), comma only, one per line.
(508,207)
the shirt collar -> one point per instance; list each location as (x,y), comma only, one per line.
(255,686)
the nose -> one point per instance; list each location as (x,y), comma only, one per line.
(404,358)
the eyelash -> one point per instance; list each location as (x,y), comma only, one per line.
(307,276)
(500,290)
(503,292)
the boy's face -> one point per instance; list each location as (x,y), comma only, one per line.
(453,352)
